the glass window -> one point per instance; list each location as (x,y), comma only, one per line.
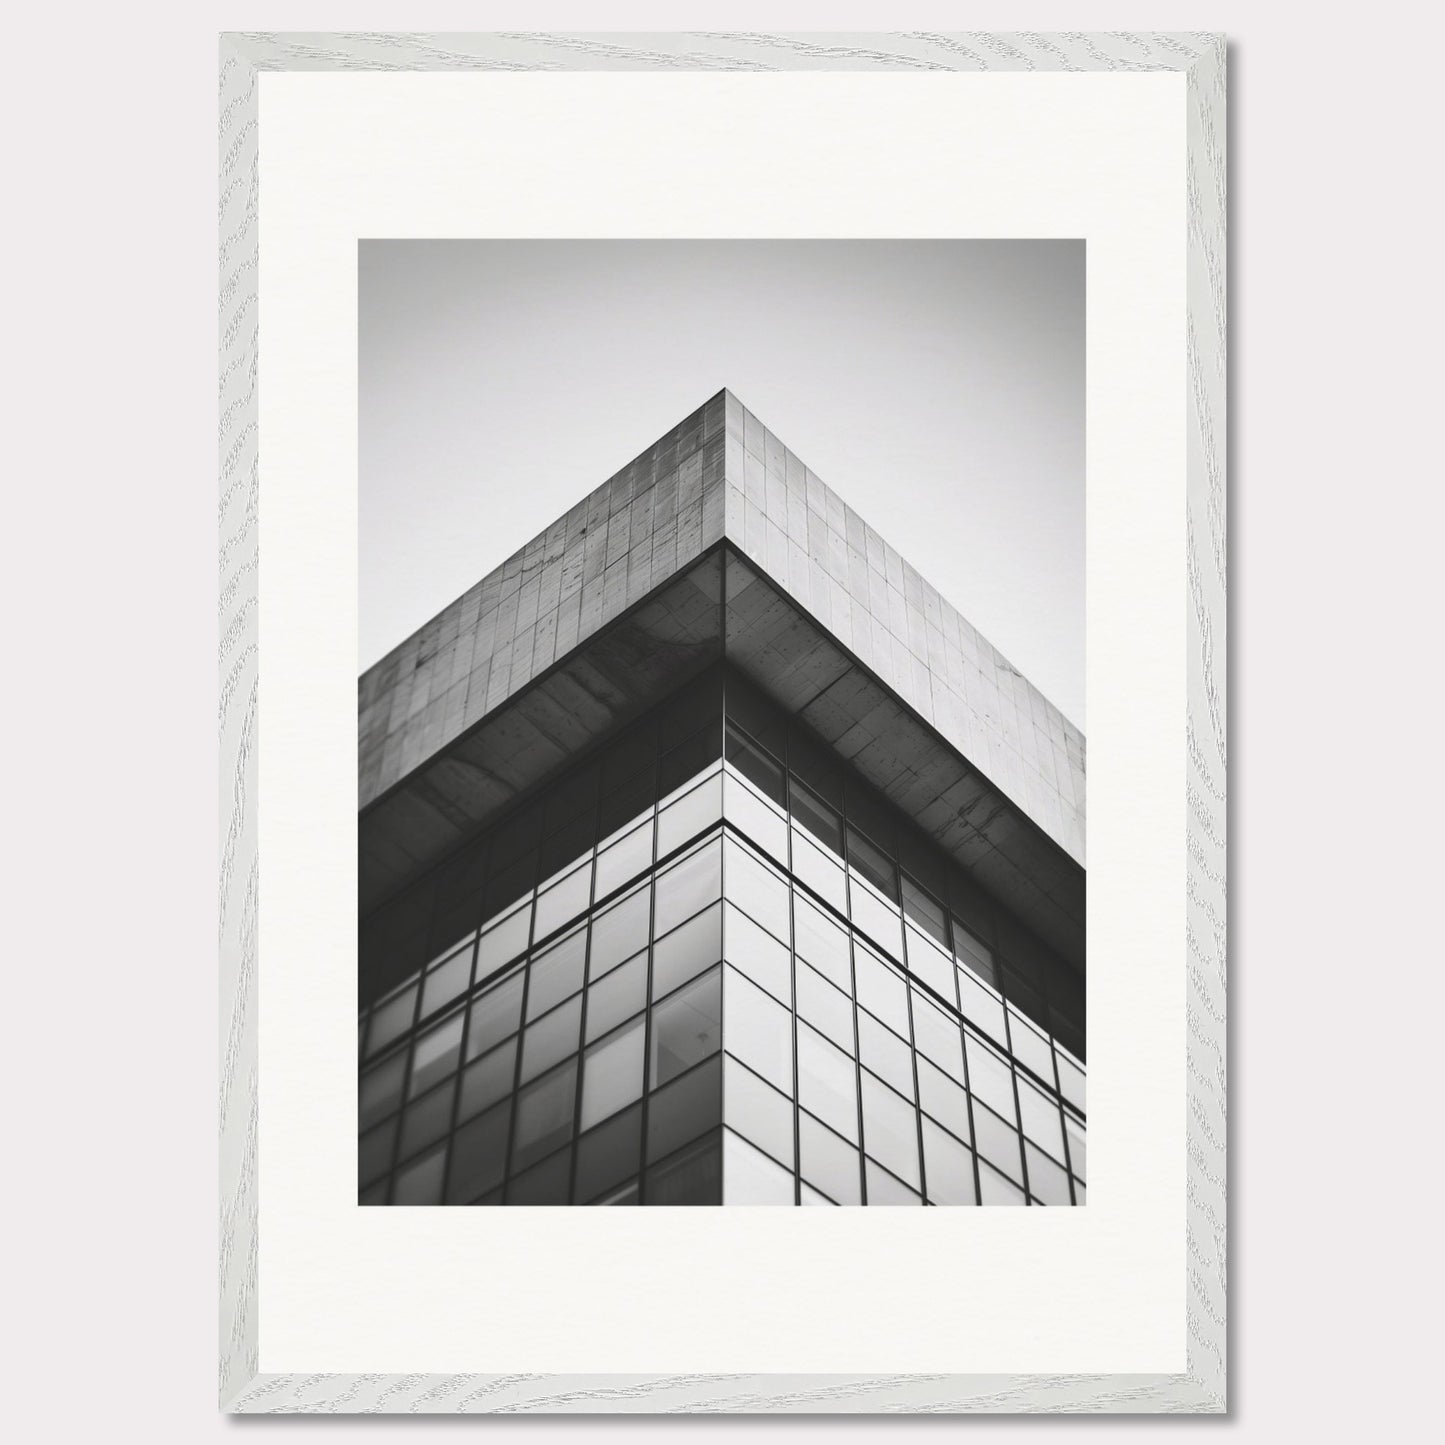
(623,860)
(750,1177)
(686,1027)
(881,990)
(883,1188)
(620,931)
(628,1194)
(821,822)
(827,1083)
(808,1195)
(556,974)
(757,889)
(980,1005)
(758,1111)
(683,1109)
(610,1154)
(488,1079)
(505,940)
(890,1130)
(758,1031)
(1071,1081)
(995,1189)
(828,1163)
(751,815)
(390,1020)
(1030,1047)
(374,1150)
(612,1074)
(1078,1151)
(871,862)
(435,1055)
(564,900)
(616,997)
(818,940)
(479,1155)
(692,1177)
(689,815)
(973,954)
(885,1053)
(496,1014)
(1047,1181)
(544,1183)
(1042,1120)
(380,1091)
(427,1119)
(687,887)
(948,1167)
(544,1115)
(943,1099)
(551,1038)
(879,920)
(829,1011)
(926,912)
(686,951)
(446,981)
(754,950)
(756,765)
(937,1036)
(996,1141)
(820,872)
(991,1079)
(421,1182)
(932,965)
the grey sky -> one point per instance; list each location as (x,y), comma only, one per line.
(936,386)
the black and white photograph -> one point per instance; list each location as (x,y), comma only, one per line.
(721,734)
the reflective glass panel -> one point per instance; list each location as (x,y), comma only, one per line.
(881,990)
(612,1074)
(610,1154)
(991,1079)
(435,1055)
(975,956)
(683,1109)
(496,1014)
(980,1006)
(1078,1151)
(948,1167)
(808,1195)
(1030,1047)
(623,860)
(822,943)
(890,1130)
(446,981)
(421,1182)
(1042,1120)
(545,1183)
(763,824)
(488,1079)
(943,1099)
(544,1115)
(757,889)
(757,1110)
(374,1151)
(829,1011)
(938,1036)
(879,920)
(504,941)
(995,1189)
(758,1030)
(620,931)
(686,951)
(885,1053)
(820,871)
(551,1038)
(380,1092)
(391,1020)
(687,887)
(692,1177)
(686,1027)
(556,974)
(1071,1081)
(689,815)
(828,1163)
(1047,1181)
(883,1188)
(750,947)
(564,900)
(827,1083)
(926,911)
(750,1177)
(616,996)
(931,964)
(821,821)
(479,1155)
(426,1120)
(995,1141)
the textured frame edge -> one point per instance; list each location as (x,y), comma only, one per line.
(1200,1388)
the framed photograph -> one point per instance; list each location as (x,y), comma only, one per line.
(700,495)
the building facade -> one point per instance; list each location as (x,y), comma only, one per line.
(707,856)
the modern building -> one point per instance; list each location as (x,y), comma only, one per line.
(708,856)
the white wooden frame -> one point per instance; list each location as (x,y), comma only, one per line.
(1201,1387)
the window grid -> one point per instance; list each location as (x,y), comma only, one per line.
(725,743)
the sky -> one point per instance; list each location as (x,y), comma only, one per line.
(936,386)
